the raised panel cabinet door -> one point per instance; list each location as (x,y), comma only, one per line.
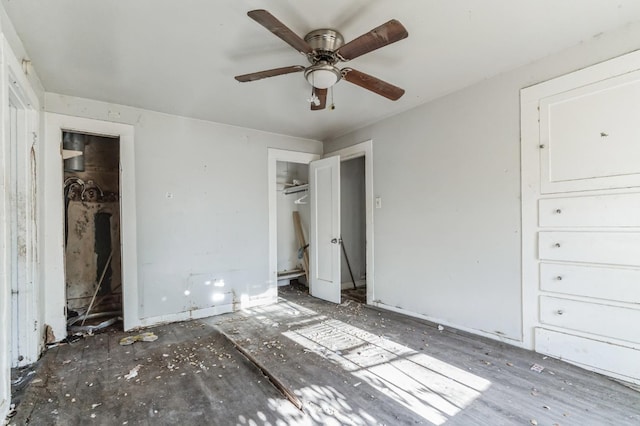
(590,136)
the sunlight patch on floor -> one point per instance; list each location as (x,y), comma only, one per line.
(427,386)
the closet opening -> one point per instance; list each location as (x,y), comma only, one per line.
(293,214)
(92,237)
(353,229)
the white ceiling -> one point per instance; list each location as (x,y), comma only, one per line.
(180,56)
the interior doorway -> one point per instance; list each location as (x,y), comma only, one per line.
(360,169)
(353,227)
(363,168)
(284,247)
(92,237)
(292,193)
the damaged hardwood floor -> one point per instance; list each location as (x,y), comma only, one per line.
(347,364)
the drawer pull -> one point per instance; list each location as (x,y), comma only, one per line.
(558,211)
(560,312)
(557,245)
(559,278)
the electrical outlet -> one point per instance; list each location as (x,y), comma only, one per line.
(378,202)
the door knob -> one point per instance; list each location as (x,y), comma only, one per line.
(334,241)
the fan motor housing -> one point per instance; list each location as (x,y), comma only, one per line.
(324,41)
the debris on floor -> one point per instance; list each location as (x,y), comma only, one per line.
(537,368)
(133,373)
(144,337)
(194,374)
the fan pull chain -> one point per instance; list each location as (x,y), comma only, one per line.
(333,106)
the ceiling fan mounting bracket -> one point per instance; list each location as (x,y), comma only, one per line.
(324,43)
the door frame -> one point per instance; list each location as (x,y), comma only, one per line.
(55,288)
(364,149)
(274,155)
(18,186)
(20,248)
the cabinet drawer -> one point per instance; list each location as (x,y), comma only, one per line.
(593,318)
(600,355)
(611,283)
(615,248)
(602,210)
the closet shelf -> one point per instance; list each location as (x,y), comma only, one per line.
(287,275)
(296,189)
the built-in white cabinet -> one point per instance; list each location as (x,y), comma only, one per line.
(581,217)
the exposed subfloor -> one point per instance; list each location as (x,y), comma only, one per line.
(348,364)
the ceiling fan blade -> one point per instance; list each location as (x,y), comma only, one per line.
(272,23)
(381,36)
(374,84)
(322,96)
(268,73)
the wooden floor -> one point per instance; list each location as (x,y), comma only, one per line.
(348,364)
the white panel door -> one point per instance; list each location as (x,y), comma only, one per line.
(324,244)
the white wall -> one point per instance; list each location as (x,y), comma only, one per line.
(448,234)
(202,209)
(352,218)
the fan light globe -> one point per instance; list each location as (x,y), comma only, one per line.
(322,76)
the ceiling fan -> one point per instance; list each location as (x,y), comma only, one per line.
(324,48)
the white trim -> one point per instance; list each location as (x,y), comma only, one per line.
(54,239)
(186,316)
(27,346)
(5,277)
(273,156)
(438,321)
(364,149)
(18,163)
(610,68)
